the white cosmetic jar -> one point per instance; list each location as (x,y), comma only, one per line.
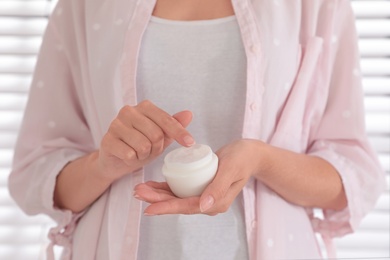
(188,170)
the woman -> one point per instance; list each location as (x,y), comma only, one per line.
(274,88)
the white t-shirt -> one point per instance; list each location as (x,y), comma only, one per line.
(199,66)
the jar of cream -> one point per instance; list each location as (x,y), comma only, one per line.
(188,170)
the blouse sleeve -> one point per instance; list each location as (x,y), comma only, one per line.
(53,131)
(341,137)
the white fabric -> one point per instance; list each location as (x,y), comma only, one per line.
(196,65)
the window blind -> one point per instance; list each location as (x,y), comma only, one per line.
(22,23)
(21,26)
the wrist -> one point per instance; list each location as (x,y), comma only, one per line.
(263,155)
(97,174)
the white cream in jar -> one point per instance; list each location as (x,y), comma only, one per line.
(188,170)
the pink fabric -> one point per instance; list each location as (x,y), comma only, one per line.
(303,93)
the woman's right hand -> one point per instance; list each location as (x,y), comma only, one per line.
(138,135)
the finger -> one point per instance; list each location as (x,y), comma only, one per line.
(217,189)
(174,206)
(119,149)
(158,185)
(183,117)
(171,126)
(155,136)
(224,204)
(159,188)
(151,195)
(135,139)
(132,118)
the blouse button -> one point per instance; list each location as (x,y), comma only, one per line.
(253,224)
(255,49)
(253,106)
(334,39)
(59,11)
(270,242)
(40,84)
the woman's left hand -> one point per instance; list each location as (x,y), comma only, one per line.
(238,161)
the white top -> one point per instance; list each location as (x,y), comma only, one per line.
(199,66)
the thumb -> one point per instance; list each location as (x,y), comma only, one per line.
(183,117)
(214,192)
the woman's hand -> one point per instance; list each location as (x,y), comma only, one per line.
(238,161)
(137,136)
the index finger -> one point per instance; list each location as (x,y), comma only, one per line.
(170,126)
(187,206)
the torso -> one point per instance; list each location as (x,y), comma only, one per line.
(188,10)
(199,66)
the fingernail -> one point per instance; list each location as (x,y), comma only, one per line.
(188,140)
(148,214)
(137,196)
(206,203)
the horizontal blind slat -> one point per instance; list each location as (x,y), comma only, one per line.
(377,104)
(4,171)
(20,45)
(376,85)
(388,184)
(7,140)
(5,199)
(25,8)
(11,215)
(22,27)
(381,143)
(375,66)
(373,28)
(384,159)
(10,121)
(20,234)
(13,102)
(17,64)
(363,254)
(374,47)
(31,251)
(371,8)
(378,123)
(376,221)
(365,239)
(383,203)
(15,83)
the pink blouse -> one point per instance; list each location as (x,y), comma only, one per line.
(304,94)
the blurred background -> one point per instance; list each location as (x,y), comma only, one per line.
(22,23)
